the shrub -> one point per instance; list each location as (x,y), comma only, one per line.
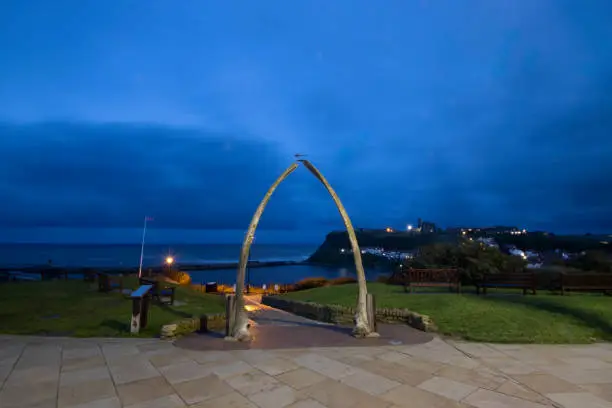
(310,283)
(183,278)
(342,280)
(289,288)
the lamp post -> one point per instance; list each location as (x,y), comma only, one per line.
(144,233)
(169,261)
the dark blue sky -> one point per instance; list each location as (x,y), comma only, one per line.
(459,112)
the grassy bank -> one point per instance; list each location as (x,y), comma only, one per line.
(75,308)
(498,317)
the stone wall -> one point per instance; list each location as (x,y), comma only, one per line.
(345,315)
(193,324)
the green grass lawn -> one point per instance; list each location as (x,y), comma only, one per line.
(75,308)
(498,317)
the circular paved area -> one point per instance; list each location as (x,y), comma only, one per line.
(277,329)
(284,337)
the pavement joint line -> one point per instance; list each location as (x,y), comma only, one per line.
(109,370)
(504,375)
(59,375)
(13,367)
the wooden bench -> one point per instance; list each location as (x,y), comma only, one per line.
(164,294)
(53,273)
(517,280)
(588,282)
(89,275)
(108,283)
(432,278)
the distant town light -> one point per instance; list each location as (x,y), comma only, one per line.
(389,229)
(342,250)
(463,232)
(169,260)
(409,227)
(524,231)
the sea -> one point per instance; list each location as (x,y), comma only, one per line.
(94,255)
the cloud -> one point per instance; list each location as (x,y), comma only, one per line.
(546,164)
(112,175)
(490,114)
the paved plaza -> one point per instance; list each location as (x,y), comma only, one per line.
(110,373)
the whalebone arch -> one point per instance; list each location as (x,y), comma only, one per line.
(239,329)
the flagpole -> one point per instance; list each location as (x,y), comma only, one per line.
(144,232)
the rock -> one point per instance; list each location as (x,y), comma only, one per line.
(168,330)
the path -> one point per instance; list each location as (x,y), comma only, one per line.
(260,314)
(137,373)
(276,329)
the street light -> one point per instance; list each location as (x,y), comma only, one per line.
(169,260)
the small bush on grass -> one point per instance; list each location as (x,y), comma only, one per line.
(342,281)
(311,283)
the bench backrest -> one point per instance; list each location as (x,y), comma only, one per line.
(433,275)
(142,291)
(509,278)
(587,279)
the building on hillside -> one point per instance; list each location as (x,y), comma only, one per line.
(500,230)
(485,231)
(423,227)
(517,252)
(463,231)
(426,227)
(488,241)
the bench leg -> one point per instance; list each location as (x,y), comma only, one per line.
(524,291)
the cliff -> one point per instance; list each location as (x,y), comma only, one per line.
(330,250)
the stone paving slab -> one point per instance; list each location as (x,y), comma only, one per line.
(134,373)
